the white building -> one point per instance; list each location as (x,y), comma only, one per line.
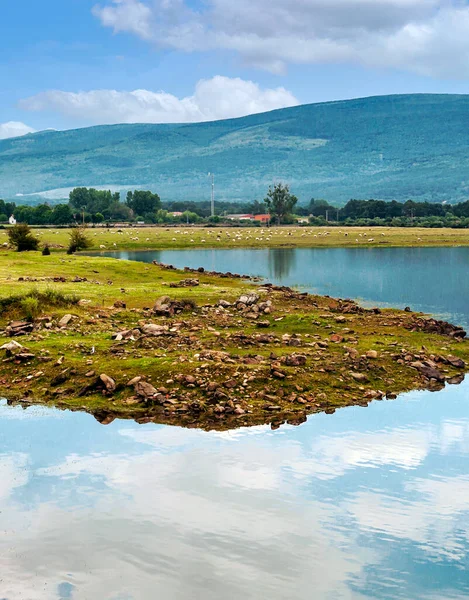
(12,220)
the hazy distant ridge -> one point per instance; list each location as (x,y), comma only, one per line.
(391,147)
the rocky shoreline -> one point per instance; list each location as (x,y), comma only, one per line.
(268,355)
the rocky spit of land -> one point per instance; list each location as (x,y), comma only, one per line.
(263,354)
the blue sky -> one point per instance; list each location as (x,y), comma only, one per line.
(73,63)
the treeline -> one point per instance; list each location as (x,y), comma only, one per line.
(89,205)
(398,214)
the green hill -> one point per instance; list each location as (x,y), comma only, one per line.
(389,147)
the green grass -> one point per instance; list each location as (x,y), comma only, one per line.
(159,238)
(87,344)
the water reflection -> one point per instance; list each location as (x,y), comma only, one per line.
(427,279)
(368,503)
(281,262)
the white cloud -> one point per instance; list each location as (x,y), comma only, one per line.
(14,129)
(126,16)
(430,37)
(216,98)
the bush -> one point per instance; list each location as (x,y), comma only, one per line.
(30,307)
(22,239)
(78,240)
(30,302)
(46,251)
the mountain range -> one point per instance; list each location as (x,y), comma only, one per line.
(387,147)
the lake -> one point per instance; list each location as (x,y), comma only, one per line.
(365,503)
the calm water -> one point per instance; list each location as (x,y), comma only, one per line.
(366,503)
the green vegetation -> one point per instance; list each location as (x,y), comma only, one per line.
(182,237)
(280,202)
(78,241)
(127,339)
(21,238)
(389,147)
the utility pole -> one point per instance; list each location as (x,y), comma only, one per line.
(327,216)
(212,206)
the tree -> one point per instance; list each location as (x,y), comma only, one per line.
(143,202)
(22,239)
(78,240)
(280,202)
(62,214)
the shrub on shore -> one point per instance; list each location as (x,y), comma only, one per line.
(78,240)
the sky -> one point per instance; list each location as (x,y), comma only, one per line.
(75,63)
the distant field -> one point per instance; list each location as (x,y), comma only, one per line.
(274,237)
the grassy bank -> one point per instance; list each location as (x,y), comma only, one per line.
(275,237)
(206,357)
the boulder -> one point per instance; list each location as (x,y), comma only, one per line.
(109,383)
(295,360)
(65,320)
(12,348)
(17,328)
(458,363)
(145,389)
(154,330)
(248,299)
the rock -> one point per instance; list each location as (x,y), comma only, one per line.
(252,315)
(16,328)
(60,378)
(134,381)
(25,356)
(12,348)
(456,380)
(248,299)
(336,338)
(65,320)
(224,303)
(295,360)
(144,389)
(361,377)
(458,363)
(90,374)
(372,354)
(154,330)
(427,371)
(109,383)
(263,324)
(278,374)
(185,283)
(352,352)
(120,304)
(162,305)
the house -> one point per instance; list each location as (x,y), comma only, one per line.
(176,213)
(12,220)
(262,218)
